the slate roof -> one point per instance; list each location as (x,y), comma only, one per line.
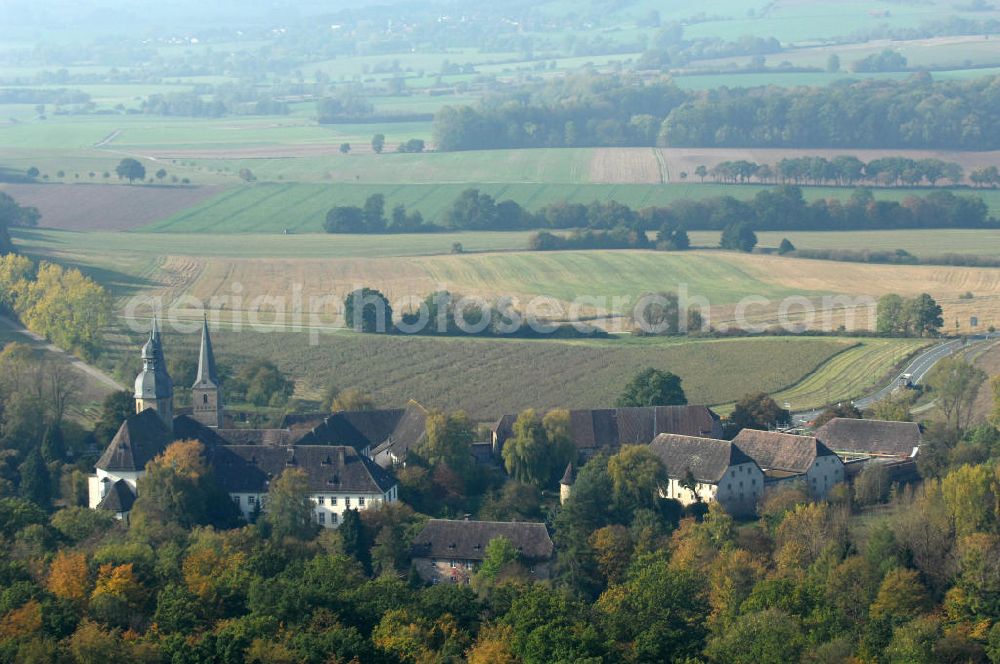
(119,498)
(845,434)
(207,375)
(140,438)
(467,540)
(639,426)
(773,450)
(613,427)
(706,458)
(249,468)
(398,429)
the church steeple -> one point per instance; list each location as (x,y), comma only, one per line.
(206,393)
(153,387)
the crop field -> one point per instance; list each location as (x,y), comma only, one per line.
(918,242)
(269,207)
(857,371)
(401,266)
(951,53)
(86,207)
(488,378)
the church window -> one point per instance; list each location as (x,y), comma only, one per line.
(204,399)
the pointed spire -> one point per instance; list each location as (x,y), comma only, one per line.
(207,374)
(568,476)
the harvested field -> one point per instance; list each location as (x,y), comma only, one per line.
(623,165)
(88,207)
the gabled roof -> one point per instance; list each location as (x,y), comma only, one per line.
(329,469)
(706,458)
(773,450)
(639,426)
(844,434)
(140,438)
(613,427)
(396,430)
(118,499)
(467,540)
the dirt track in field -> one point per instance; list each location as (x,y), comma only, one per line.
(91,207)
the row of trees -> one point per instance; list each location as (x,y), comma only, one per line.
(622,111)
(844,170)
(781,208)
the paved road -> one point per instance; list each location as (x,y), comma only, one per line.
(917,368)
(73,360)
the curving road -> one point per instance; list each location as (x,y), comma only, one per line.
(917,368)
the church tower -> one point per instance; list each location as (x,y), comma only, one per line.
(206,393)
(153,387)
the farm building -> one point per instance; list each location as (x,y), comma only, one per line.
(786,457)
(592,430)
(447,550)
(853,438)
(718,469)
(244,460)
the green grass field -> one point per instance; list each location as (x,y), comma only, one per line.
(302,207)
(568,166)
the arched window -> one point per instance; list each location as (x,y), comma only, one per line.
(204,399)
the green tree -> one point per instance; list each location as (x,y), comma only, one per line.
(36,483)
(345,148)
(449,441)
(289,507)
(354,538)
(738,236)
(115,408)
(378,143)
(540,447)
(368,310)
(652,387)
(262,384)
(786,247)
(771,635)
(833,63)
(970,497)
(160,174)
(635,617)
(955,384)
(374,213)
(499,554)
(345,219)
(891,317)
(758,411)
(924,315)
(130,169)
(636,478)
